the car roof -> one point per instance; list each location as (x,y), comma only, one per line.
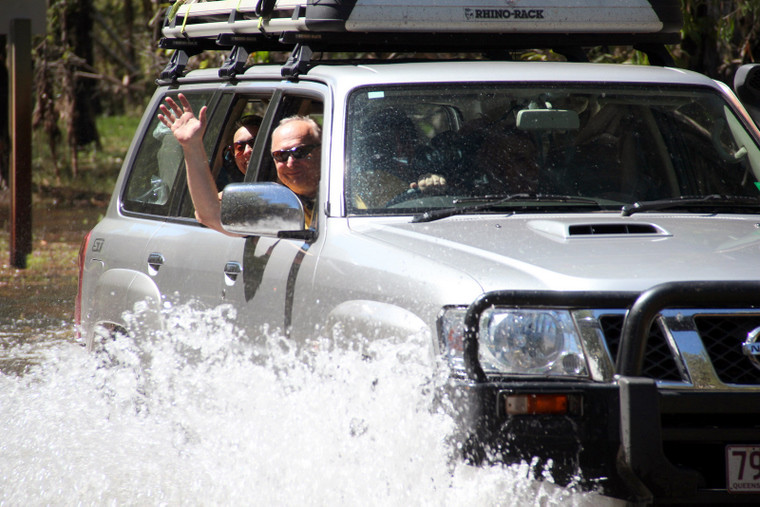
(393,71)
(347,75)
(488,71)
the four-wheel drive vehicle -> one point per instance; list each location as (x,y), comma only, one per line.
(590,270)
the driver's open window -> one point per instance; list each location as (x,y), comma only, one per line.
(289,106)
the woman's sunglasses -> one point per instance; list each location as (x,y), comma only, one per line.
(297,152)
(238,147)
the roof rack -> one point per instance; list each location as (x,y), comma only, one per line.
(305,26)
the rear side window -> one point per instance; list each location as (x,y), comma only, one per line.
(156,166)
(227,165)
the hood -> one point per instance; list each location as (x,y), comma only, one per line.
(582,252)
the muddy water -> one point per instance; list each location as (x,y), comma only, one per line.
(37,303)
(46,289)
(203,413)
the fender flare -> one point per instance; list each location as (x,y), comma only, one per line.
(373,320)
(119,291)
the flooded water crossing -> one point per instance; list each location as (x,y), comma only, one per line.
(203,413)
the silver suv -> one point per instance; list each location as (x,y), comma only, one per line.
(581,243)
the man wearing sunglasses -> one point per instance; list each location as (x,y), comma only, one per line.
(295,150)
(296,144)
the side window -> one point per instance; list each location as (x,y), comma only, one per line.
(299,149)
(156,166)
(230,140)
(238,136)
(289,106)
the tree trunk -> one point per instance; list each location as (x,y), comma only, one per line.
(4,113)
(720,35)
(45,115)
(701,43)
(78,34)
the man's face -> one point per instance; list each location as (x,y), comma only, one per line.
(301,175)
(242,147)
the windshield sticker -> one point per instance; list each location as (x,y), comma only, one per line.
(375,95)
(475,14)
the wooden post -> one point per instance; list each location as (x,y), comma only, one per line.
(20,62)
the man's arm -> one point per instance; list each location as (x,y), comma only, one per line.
(188,130)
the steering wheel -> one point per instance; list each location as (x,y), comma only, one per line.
(406,195)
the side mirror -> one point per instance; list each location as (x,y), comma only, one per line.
(262,209)
(747,88)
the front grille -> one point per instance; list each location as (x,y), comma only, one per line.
(722,336)
(658,362)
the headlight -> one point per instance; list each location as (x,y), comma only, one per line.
(541,342)
(518,341)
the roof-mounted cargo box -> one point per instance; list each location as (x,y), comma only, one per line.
(300,20)
(413,25)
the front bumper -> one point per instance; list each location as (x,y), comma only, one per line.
(629,437)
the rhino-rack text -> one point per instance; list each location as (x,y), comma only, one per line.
(471,14)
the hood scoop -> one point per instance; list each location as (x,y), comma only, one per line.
(585,230)
(595,229)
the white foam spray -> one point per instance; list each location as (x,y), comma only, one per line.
(202,413)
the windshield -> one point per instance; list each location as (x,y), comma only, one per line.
(501,147)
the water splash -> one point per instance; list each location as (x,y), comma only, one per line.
(201,412)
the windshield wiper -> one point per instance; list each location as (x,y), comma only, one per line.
(687,201)
(494,201)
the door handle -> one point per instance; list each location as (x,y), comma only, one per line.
(155,261)
(232,270)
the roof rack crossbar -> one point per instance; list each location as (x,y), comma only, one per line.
(235,63)
(191,46)
(298,62)
(251,43)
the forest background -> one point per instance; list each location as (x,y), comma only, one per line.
(95,70)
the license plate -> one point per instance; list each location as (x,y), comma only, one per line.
(743,468)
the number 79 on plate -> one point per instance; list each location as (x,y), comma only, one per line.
(743,468)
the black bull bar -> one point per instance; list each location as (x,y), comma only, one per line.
(641,462)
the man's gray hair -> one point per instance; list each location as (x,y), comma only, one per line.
(314,129)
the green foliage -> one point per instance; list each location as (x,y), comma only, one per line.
(98,167)
(718,36)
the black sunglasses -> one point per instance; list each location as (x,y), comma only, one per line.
(239,146)
(297,152)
